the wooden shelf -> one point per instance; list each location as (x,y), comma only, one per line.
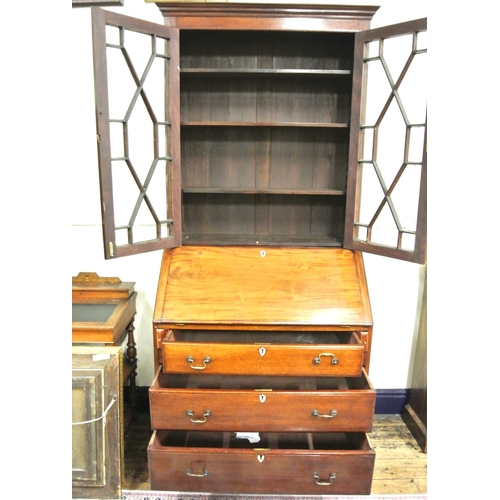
(261,239)
(263,124)
(271,191)
(265,121)
(248,72)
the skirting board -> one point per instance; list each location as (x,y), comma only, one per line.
(172,495)
(388,402)
(416,426)
(391,401)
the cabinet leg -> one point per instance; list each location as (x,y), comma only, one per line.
(132,359)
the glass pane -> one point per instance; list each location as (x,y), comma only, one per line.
(391,143)
(92,312)
(413,89)
(405,197)
(372,194)
(377,92)
(385,231)
(416,144)
(395,54)
(367,143)
(408,241)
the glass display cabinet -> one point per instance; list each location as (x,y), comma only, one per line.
(103,312)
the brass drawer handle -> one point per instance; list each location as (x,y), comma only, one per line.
(206,360)
(317,359)
(206,414)
(189,472)
(324,483)
(332,414)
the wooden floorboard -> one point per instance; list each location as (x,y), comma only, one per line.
(400,464)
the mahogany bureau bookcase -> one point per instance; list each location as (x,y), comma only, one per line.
(261,147)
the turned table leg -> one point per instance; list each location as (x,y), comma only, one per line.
(132,359)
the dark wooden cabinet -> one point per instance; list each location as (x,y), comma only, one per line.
(251,148)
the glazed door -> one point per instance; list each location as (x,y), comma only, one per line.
(136,74)
(386,195)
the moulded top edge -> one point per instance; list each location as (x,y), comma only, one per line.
(287,7)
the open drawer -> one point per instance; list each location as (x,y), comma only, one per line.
(280,463)
(258,403)
(288,353)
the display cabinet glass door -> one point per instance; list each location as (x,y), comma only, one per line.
(136,89)
(386,201)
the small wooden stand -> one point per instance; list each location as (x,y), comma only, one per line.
(103,313)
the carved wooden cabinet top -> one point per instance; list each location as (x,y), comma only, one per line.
(262,286)
(89,286)
(266,14)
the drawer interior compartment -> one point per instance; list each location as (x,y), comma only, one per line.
(269,441)
(263,337)
(254,383)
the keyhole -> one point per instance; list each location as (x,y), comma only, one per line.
(260,458)
(262,398)
(262,351)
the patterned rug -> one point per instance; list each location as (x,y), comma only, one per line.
(169,495)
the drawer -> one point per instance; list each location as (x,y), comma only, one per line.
(281,463)
(319,354)
(258,403)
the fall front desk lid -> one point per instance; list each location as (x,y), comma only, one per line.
(262,286)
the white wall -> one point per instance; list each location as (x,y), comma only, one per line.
(393,285)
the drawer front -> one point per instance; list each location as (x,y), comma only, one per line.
(295,467)
(306,404)
(258,357)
